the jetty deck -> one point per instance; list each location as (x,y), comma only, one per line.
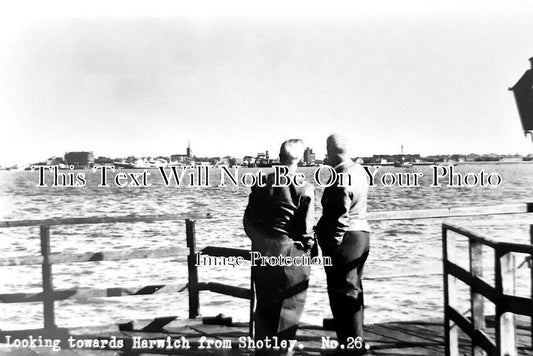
(509,332)
(392,338)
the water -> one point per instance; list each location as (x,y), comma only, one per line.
(397,246)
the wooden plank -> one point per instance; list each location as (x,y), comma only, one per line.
(531,282)
(310,339)
(56,258)
(158,324)
(505,284)
(404,273)
(46,351)
(476,299)
(220,331)
(376,215)
(471,234)
(104,219)
(194,295)
(57,333)
(400,335)
(431,331)
(120,255)
(450,292)
(20,260)
(517,305)
(479,337)
(395,338)
(514,247)
(86,293)
(226,252)
(97,353)
(409,351)
(449,212)
(48,287)
(426,332)
(16,351)
(383,340)
(237,292)
(475,283)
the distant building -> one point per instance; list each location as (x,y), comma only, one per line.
(395,158)
(54,161)
(179,158)
(262,159)
(511,159)
(248,160)
(189,152)
(79,159)
(182,158)
(223,161)
(309,157)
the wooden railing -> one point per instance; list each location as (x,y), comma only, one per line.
(502,294)
(49,295)
(503,209)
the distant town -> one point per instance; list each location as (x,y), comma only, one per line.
(87,159)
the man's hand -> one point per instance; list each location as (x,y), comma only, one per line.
(305,244)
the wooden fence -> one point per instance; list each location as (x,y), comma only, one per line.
(47,259)
(502,294)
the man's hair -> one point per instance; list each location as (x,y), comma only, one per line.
(291,151)
(337,144)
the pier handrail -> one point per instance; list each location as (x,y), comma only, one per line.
(516,208)
(49,295)
(502,294)
(132,218)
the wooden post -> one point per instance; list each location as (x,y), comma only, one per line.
(531,278)
(48,287)
(192,286)
(476,299)
(450,294)
(505,284)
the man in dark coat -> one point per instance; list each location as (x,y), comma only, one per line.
(279,220)
(343,234)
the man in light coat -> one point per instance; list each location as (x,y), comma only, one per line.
(343,234)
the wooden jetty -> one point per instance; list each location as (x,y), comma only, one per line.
(424,338)
(508,333)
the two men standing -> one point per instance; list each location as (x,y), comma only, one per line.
(279,221)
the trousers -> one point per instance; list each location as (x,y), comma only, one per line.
(345,287)
(281,292)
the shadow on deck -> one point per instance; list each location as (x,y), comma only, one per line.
(393,338)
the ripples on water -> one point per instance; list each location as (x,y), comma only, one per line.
(398,247)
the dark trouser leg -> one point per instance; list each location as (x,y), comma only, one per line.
(281,293)
(269,281)
(345,287)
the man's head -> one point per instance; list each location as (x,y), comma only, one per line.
(291,152)
(337,148)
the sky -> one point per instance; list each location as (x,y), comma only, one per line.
(238,78)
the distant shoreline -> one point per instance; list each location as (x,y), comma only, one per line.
(388,164)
